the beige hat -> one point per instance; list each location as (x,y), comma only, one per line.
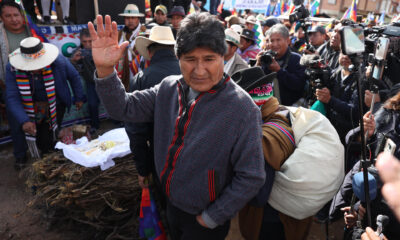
(232,36)
(33,55)
(158,34)
(237,28)
(131,10)
(251,19)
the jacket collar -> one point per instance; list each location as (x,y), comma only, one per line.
(162,55)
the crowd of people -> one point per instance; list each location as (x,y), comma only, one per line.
(203,101)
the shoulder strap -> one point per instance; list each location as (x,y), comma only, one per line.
(286,63)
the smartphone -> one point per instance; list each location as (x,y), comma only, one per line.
(352,40)
(382,48)
(390,146)
(381,51)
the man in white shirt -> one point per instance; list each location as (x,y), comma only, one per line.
(233,61)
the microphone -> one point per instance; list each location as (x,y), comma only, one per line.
(381,222)
(358,186)
(309,60)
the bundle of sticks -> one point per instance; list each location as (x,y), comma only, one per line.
(107,201)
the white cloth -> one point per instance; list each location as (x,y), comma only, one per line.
(228,64)
(312,175)
(88,154)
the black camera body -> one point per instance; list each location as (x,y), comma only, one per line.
(319,77)
(299,13)
(267,57)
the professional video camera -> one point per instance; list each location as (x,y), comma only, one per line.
(299,13)
(267,57)
(317,72)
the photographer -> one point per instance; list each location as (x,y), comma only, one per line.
(286,64)
(317,35)
(82,60)
(341,99)
(330,50)
(379,128)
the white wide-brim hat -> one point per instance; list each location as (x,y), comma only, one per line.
(131,10)
(232,36)
(158,34)
(33,55)
(251,19)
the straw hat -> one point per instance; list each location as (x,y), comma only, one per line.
(237,28)
(33,55)
(158,34)
(232,36)
(131,10)
(251,19)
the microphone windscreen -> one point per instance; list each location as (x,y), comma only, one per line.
(358,186)
(307,59)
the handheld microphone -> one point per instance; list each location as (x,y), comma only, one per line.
(381,222)
(358,186)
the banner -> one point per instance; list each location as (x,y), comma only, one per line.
(251,4)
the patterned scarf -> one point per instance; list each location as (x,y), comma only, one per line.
(27,98)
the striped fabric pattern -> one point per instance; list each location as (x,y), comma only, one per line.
(283,130)
(26,94)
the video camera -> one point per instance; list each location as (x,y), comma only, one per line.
(317,72)
(299,13)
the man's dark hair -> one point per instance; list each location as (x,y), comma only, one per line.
(200,30)
(84,32)
(9,4)
(154,47)
(231,44)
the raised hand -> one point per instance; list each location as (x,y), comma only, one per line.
(105,48)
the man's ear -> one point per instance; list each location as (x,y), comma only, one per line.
(288,41)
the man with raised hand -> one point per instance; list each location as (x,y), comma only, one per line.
(207,130)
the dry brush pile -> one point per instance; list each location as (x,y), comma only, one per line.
(107,201)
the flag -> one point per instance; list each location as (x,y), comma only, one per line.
(381,20)
(314,8)
(147,4)
(269,9)
(351,12)
(220,7)
(33,28)
(150,225)
(278,9)
(284,7)
(233,11)
(291,9)
(258,34)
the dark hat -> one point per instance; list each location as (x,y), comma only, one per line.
(177,10)
(250,78)
(315,29)
(246,33)
(269,22)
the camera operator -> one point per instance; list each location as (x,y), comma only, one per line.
(379,128)
(316,35)
(341,100)
(285,63)
(330,50)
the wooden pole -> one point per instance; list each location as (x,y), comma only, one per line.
(96,8)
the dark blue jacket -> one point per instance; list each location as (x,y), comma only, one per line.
(63,71)
(164,63)
(343,110)
(291,78)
